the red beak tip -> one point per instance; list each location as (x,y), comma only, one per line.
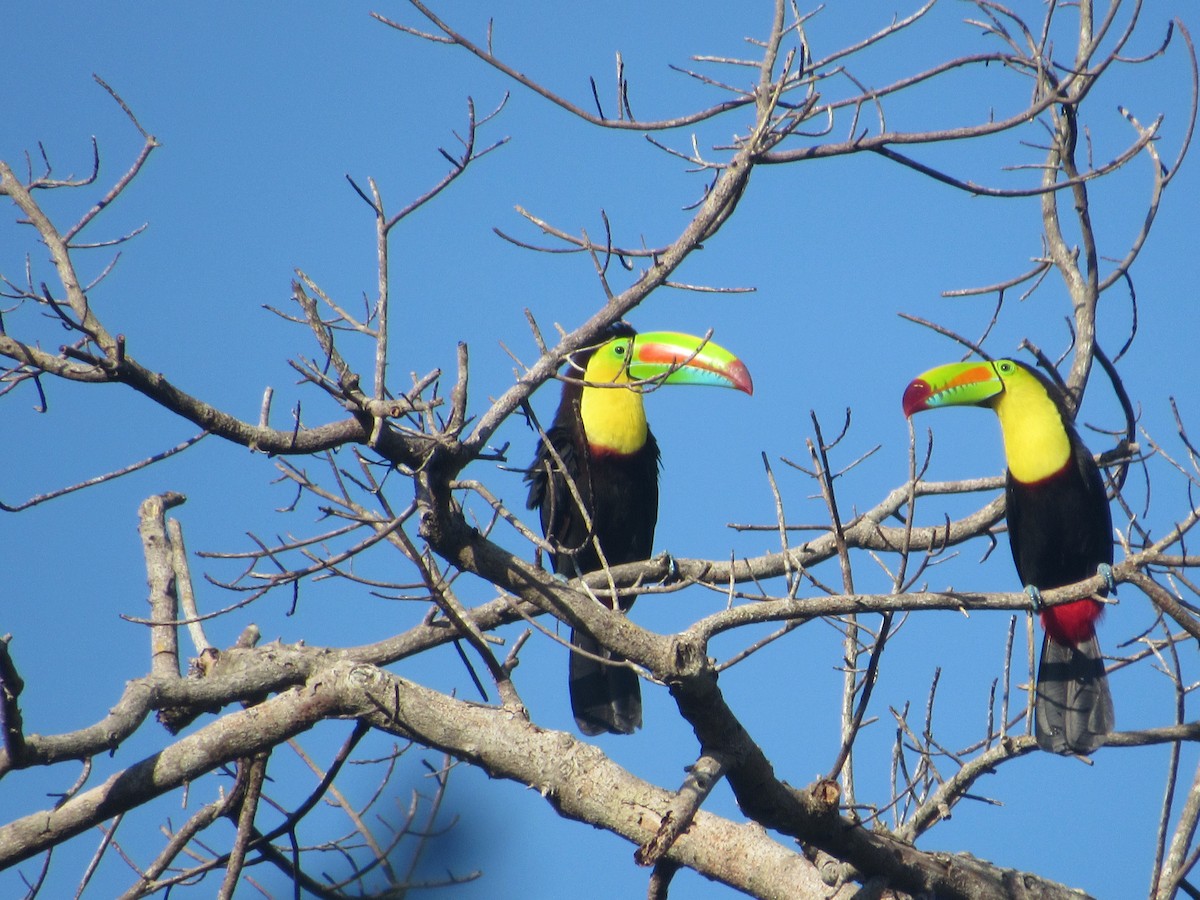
(915,396)
(740,376)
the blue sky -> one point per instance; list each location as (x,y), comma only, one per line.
(263,109)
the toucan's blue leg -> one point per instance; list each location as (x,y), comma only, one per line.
(1035,598)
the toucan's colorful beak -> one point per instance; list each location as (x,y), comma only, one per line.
(954,384)
(670,357)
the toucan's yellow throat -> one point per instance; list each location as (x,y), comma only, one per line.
(614,418)
(1036,444)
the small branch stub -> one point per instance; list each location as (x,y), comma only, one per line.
(160,575)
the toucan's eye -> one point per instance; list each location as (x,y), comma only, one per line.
(1006,367)
(619,349)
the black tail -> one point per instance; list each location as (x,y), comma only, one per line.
(1074,706)
(603,698)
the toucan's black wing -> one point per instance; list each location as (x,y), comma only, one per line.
(561,462)
(1060,528)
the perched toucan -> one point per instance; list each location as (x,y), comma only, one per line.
(1059,530)
(600,442)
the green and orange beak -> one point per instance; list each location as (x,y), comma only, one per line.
(670,357)
(954,384)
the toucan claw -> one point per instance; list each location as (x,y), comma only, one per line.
(1035,598)
(672,566)
(1104,570)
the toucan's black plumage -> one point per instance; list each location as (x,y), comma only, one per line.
(1059,530)
(613,462)
(620,493)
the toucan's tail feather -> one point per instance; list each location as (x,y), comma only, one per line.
(1074,706)
(603,698)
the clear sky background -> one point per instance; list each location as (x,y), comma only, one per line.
(263,109)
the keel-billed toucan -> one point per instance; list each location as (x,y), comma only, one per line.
(1059,529)
(600,442)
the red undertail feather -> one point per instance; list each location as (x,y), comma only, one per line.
(1072,623)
